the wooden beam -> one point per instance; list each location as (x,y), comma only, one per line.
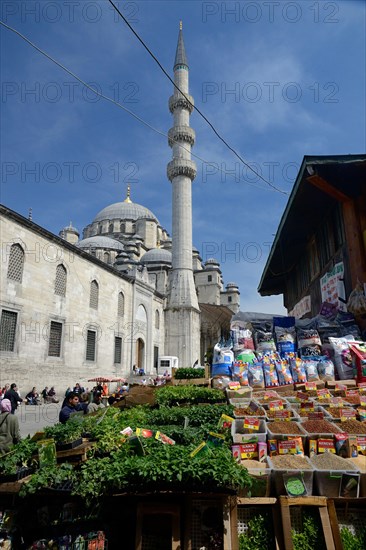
(327,188)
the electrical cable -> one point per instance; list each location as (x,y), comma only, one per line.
(134,115)
(196,108)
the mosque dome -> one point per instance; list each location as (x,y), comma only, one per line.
(124,211)
(98,241)
(157,256)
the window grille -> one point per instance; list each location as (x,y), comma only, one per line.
(8,325)
(121,304)
(209,278)
(16,263)
(94,295)
(55,339)
(60,282)
(117,349)
(90,345)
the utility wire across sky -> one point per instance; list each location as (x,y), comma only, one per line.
(134,115)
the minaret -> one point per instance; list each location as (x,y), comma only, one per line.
(182,312)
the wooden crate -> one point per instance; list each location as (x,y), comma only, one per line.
(320,503)
(247,508)
(345,512)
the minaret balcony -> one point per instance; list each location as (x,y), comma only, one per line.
(180,102)
(181,133)
(181,167)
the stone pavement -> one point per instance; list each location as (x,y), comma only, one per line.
(33,418)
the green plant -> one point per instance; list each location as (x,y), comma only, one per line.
(48,477)
(258,536)
(21,455)
(189,373)
(352,541)
(64,433)
(308,539)
(173,395)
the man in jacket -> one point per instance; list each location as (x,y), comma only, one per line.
(72,405)
(13,397)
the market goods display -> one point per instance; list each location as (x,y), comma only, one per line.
(320,427)
(353,427)
(285,427)
(249,411)
(330,461)
(290,462)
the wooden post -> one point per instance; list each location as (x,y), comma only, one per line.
(319,502)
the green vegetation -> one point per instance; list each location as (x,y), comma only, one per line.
(351,541)
(189,373)
(118,463)
(258,536)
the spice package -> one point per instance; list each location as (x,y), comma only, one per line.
(326,446)
(272,447)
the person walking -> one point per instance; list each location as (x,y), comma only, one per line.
(13,397)
(9,427)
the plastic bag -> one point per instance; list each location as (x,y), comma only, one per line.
(255,375)
(357,302)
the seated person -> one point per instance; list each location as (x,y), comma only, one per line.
(52,395)
(32,397)
(44,394)
(96,404)
(72,405)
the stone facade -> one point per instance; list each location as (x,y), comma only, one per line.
(128,324)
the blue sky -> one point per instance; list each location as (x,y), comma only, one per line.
(279,80)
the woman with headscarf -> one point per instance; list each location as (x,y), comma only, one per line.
(9,427)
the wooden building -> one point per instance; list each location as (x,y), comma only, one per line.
(322,235)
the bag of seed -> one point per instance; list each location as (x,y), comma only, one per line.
(284,328)
(298,370)
(309,342)
(342,356)
(255,375)
(325,368)
(284,372)
(270,374)
(311,370)
(264,341)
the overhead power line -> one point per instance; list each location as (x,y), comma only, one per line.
(134,115)
(196,108)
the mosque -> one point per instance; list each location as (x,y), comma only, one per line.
(123,293)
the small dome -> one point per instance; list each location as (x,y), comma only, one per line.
(71,229)
(124,211)
(98,241)
(157,256)
(232,285)
(212,263)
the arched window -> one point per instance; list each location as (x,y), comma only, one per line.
(141,314)
(94,295)
(60,281)
(16,263)
(107,257)
(122,227)
(110,228)
(100,229)
(121,304)
(157,319)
